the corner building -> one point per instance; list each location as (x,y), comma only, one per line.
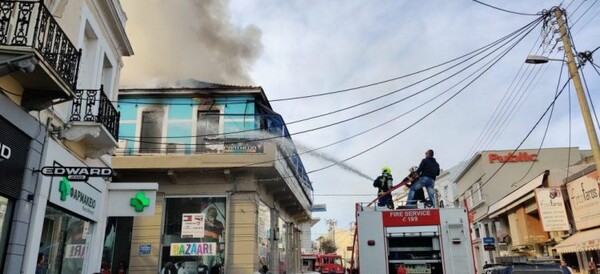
(59,68)
(233,193)
(504,217)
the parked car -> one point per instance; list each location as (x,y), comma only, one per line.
(526,268)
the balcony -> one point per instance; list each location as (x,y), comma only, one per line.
(29,33)
(94,121)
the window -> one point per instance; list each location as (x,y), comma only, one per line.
(207,126)
(63,243)
(476,193)
(151,131)
(264,227)
(194,221)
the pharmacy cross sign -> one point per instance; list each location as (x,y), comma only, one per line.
(139,202)
(64,188)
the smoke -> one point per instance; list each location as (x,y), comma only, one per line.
(175,40)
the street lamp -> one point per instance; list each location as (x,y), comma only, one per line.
(538,59)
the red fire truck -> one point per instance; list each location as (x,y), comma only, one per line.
(432,241)
(422,240)
(322,263)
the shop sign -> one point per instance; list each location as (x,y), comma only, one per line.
(126,199)
(79,197)
(489,247)
(5,152)
(552,210)
(585,201)
(192,225)
(145,250)
(81,173)
(411,217)
(193,249)
(512,158)
(244,147)
(489,240)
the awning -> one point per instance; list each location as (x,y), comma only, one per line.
(580,241)
(517,197)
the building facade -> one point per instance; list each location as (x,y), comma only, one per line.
(233,193)
(492,194)
(60,68)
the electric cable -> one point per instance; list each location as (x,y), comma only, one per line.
(506,51)
(545,131)
(589,96)
(500,107)
(348,119)
(505,10)
(524,139)
(428,114)
(584,13)
(395,78)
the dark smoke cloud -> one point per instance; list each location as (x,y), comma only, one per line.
(182,39)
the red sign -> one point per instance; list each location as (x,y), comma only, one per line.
(512,158)
(411,217)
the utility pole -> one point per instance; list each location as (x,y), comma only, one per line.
(573,71)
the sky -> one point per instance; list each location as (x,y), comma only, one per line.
(299,48)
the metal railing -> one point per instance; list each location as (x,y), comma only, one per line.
(30,24)
(97,108)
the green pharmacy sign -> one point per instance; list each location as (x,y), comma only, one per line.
(139,202)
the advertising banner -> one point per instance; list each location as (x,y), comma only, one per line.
(585,201)
(552,210)
(192,225)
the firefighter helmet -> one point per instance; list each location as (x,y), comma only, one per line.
(386,169)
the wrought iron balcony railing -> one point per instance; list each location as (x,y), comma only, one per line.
(30,24)
(97,108)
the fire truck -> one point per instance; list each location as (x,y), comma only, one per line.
(423,240)
(322,263)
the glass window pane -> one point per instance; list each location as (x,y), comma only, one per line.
(194,221)
(151,131)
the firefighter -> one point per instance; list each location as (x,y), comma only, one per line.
(428,170)
(383,183)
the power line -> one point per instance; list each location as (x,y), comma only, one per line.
(431,112)
(524,139)
(522,30)
(587,90)
(546,130)
(505,10)
(500,108)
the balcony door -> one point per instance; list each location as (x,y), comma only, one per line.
(208,124)
(151,131)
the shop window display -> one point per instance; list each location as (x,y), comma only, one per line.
(194,235)
(5,214)
(264,231)
(64,243)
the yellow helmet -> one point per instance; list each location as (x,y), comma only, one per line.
(386,169)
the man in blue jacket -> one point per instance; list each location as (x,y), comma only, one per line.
(428,170)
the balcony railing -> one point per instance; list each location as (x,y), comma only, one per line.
(96,108)
(30,24)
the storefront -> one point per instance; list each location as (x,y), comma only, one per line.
(584,199)
(194,230)
(14,145)
(75,205)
